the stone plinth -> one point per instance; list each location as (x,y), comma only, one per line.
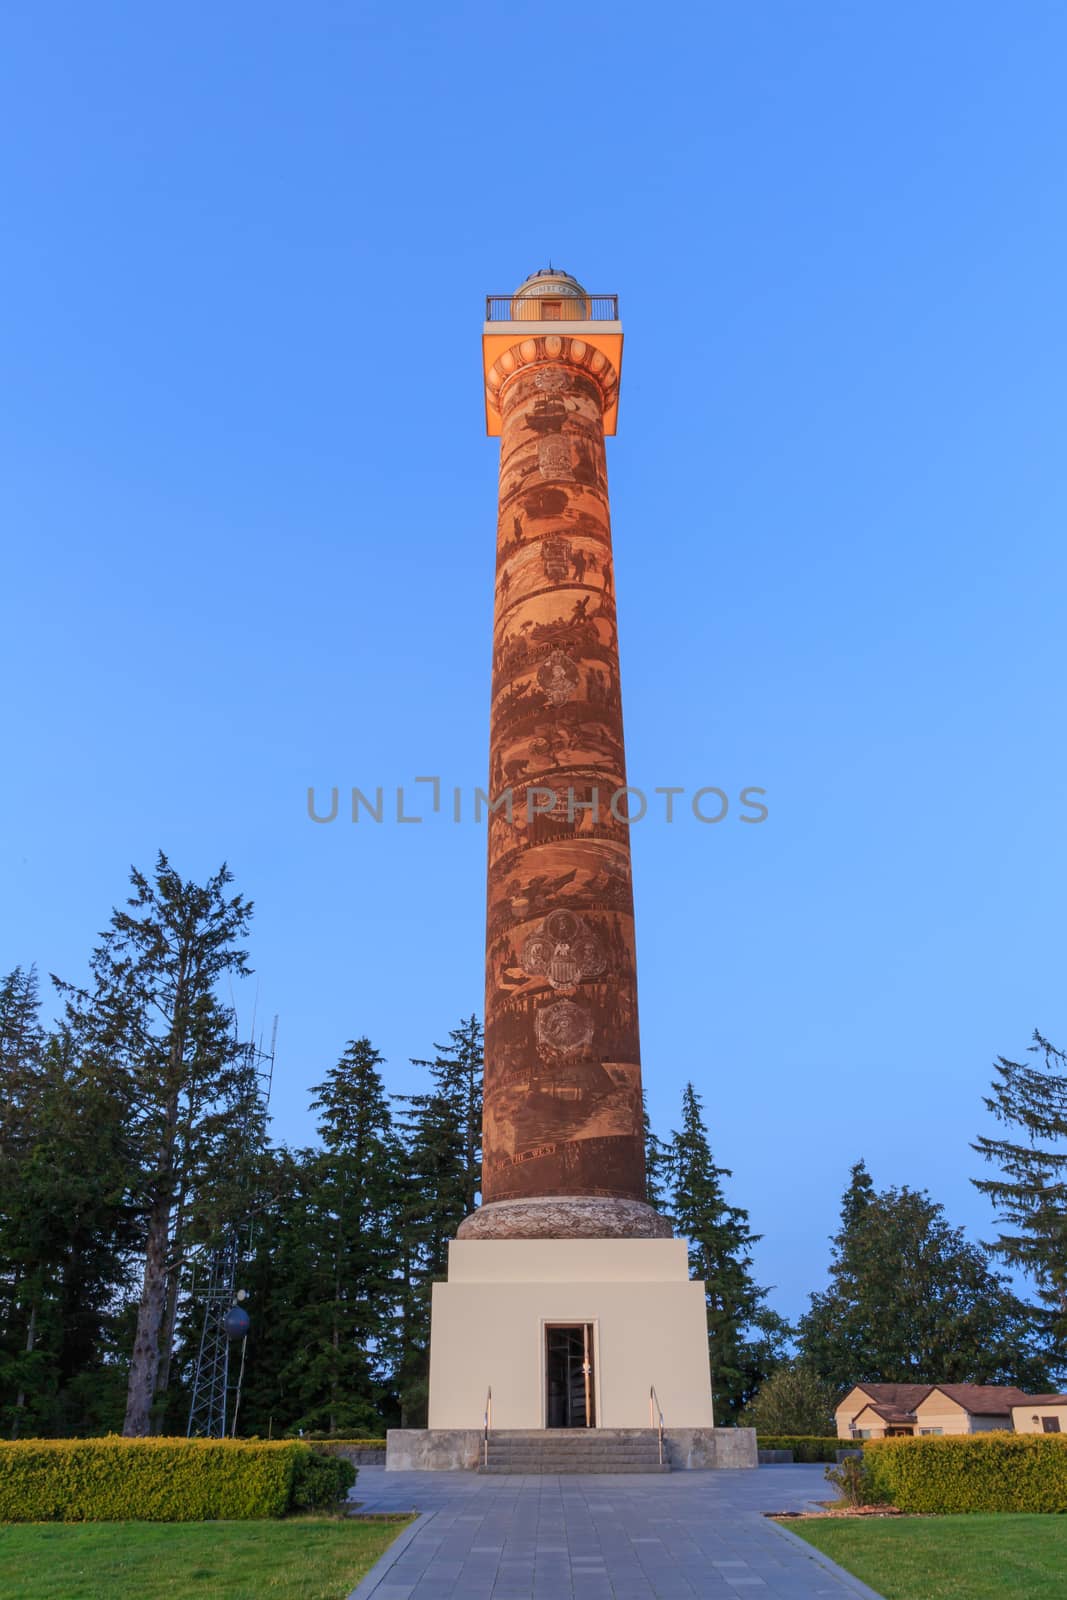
(565,1217)
(460,1449)
(489,1322)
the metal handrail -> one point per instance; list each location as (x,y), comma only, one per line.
(488,1425)
(520,308)
(655,1410)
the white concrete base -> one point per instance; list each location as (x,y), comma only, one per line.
(488,1330)
(460,1449)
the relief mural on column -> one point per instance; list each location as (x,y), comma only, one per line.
(563,1111)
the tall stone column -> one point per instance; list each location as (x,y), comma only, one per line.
(563,1129)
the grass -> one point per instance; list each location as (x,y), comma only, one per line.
(978,1557)
(308,1558)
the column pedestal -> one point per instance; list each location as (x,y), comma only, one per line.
(489,1329)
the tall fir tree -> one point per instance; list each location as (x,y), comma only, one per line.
(153,1027)
(657,1164)
(442,1131)
(911,1300)
(323,1278)
(64,1229)
(353,1201)
(1030,1194)
(284,1281)
(746,1339)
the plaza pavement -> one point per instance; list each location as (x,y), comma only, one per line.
(682,1536)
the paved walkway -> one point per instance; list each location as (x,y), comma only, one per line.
(676,1537)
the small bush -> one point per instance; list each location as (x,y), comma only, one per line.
(853,1482)
(805,1446)
(971,1472)
(321,1481)
(161,1480)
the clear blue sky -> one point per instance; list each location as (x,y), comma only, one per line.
(248,509)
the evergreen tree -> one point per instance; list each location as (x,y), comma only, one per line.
(352,1201)
(1030,1195)
(284,1281)
(151,1026)
(910,1300)
(64,1229)
(323,1284)
(442,1132)
(746,1339)
(657,1164)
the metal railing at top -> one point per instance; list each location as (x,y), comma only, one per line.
(551,308)
(654,1411)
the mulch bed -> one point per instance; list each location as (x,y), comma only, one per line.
(833,1511)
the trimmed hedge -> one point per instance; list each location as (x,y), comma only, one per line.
(318,1439)
(805,1446)
(164,1480)
(969,1472)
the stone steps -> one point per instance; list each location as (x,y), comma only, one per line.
(559,1450)
(559,1469)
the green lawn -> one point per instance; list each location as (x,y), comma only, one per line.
(309,1558)
(1001,1557)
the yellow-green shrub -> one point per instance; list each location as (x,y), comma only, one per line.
(970,1472)
(158,1480)
(324,1441)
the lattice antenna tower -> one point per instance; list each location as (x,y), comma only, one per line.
(215,1282)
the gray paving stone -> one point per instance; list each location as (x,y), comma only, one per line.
(684,1536)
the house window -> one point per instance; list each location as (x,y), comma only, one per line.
(931,1430)
(551,310)
(1050,1424)
(862,1433)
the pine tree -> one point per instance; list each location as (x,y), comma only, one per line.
(657,1164)
(64,1228)
(746,1339)
(323,1284)
(442,1133)
(911,1300)
(1030,1195)
(353,1202)
(152,1026)
(284,1281)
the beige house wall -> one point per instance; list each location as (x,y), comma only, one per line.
(848,1411)
(938,1411)
(488,1329)
(868,1421)
(1023,1417)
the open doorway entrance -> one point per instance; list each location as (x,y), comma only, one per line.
(570,1393)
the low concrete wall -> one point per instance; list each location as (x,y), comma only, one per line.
(701,1449)
(433,1449)
(460,1449)
(775,1458)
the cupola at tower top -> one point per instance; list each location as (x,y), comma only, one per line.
(534,311)
(550,293)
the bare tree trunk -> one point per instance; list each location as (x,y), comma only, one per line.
(170,1311)
(144,1367)
(144,1364)
(31,1339)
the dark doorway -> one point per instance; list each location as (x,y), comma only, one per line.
(569,1388)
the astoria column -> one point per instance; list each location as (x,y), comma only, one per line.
(563,1120)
